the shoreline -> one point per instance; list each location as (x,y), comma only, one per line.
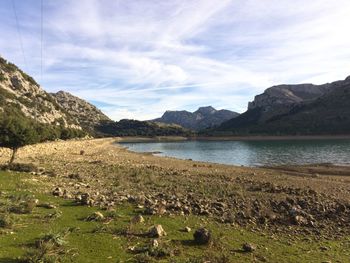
(231,138)
(118,174)
(120,140)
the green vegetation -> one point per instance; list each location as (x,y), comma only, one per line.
(60,233)
(2,77)
(140,128)
(16,131)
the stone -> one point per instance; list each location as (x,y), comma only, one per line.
(86,199)
(47,206)
(154,243)
(248,247)
(156,231)
(187,229)
(57,192)
(96,216)
(137,219)
(202,236)
(299,220)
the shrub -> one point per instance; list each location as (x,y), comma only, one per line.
(16,132)
(6,220)
(2,77)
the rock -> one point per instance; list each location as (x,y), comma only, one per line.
(187,229)
(74,176)
(67,195)
(82,152)
(47,206)
(156,231)
(299,220)
(96,216)
(154,243)
(86,199)
(202,236)
(150,211)
(248,247)
(57,192)
(137,219)
(323,248)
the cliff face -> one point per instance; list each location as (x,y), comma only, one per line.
(296,109)
(86,114)
(288,94)
(20,91)
(202,118)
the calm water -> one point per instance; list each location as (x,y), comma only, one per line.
(253,153)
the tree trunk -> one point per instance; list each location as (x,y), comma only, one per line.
(14,151)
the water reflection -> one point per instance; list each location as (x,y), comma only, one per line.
(253,153)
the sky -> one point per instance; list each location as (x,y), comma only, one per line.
(136,59)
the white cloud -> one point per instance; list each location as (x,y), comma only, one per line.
(144,57)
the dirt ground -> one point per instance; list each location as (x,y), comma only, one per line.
(100,172)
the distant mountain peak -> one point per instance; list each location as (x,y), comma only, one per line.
(202,118)
(206,110)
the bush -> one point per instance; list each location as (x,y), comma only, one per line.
(16,132)
(6,220)
(2,77)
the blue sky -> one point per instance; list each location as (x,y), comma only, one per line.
(136,59)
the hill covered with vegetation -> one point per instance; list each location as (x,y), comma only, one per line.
(141,128)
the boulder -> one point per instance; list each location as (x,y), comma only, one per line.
(202,236)
(57,192)
(137,219)
(156,231)
(248,247)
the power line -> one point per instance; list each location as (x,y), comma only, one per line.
(41,40)
(19,33)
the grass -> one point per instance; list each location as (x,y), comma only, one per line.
(64,230)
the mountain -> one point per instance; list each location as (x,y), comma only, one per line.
(19,92)
(140,128)
(92,120)
(202,118)
(295,109)
(86,114)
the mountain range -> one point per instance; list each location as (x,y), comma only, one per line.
(202,118)
(280,110)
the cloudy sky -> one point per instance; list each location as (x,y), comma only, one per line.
(136,59)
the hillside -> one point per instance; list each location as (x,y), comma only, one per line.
(140,128)
(86,114)
(296,109)
(20,92)
(203,118)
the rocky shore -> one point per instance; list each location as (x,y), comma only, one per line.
(308,200)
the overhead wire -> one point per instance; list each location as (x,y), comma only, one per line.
(19,35)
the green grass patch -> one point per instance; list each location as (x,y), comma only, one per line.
(66,235)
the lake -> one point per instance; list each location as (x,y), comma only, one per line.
(253,153)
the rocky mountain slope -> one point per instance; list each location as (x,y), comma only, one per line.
(296,109)
(22,97)
(202,118)
(21,93)
(86,114)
